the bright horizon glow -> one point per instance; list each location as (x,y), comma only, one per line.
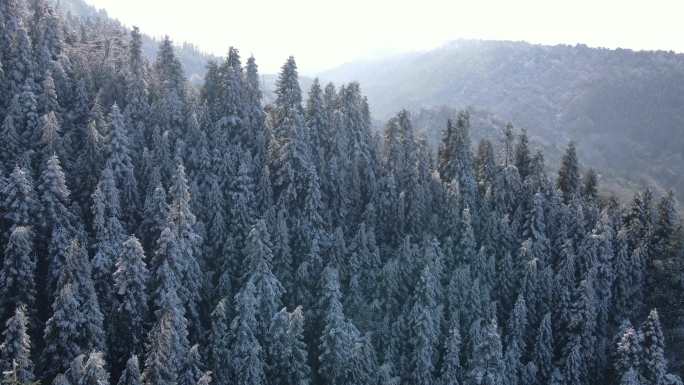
(323,34)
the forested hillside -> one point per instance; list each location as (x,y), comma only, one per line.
(193,60)
(158,233)
(625,109)
(484,124)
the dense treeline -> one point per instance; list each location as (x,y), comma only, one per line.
(158,234)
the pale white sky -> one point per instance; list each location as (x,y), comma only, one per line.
(323,33)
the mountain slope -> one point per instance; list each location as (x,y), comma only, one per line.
(624,108)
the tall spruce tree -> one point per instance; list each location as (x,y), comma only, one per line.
(339,335)
(182,224)
(130,314)
(15,351)
(109,234)
(76,325)
(131,374)
(247,354)
(568,181)
(20,203)
(268,289)
(119,150)
(17,276)
(654,364)
(56,219)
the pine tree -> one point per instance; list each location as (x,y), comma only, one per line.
(155,216)
(424,326)
(89,162)
(287,350)
(20,65)
(220,342)
(300,371)
(191,371)
(668,227)
(665,266)
(288,96)
(264,191)
(206,379)
(50,136)
(278,347)
(15,351)
(590,186)
(467,244)
(216,223)
(230,106)
(25,117)
(17,283)
(242,215)
(518,323)
(47,36)
(288,149)
(568,175)
(137,92)
(338,336)
(61,379)
(522,155)
(182,223)
(109,234)
(304,277)
(653,363)
(485,166)
(76,323)
(631,377)
(315,122)
(122,166)
(624,288)
(247,360)
(628,351)
(282,252)
(170,85)
(20,203)
(11,141)
(362,268)
(364,362)
(451,372)
(543,355)
(164,349)
(486,362)
(56,218)
(507,281)
(268,290)
(169,312)
(61,333)
(456,160)
(131,301)
(254,113)
(94,372)
(575,368)
(131,374)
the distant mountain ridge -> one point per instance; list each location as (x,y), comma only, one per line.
(624,108)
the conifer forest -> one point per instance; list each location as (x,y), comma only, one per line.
(154,231)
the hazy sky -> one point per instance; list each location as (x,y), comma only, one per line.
(322,33)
